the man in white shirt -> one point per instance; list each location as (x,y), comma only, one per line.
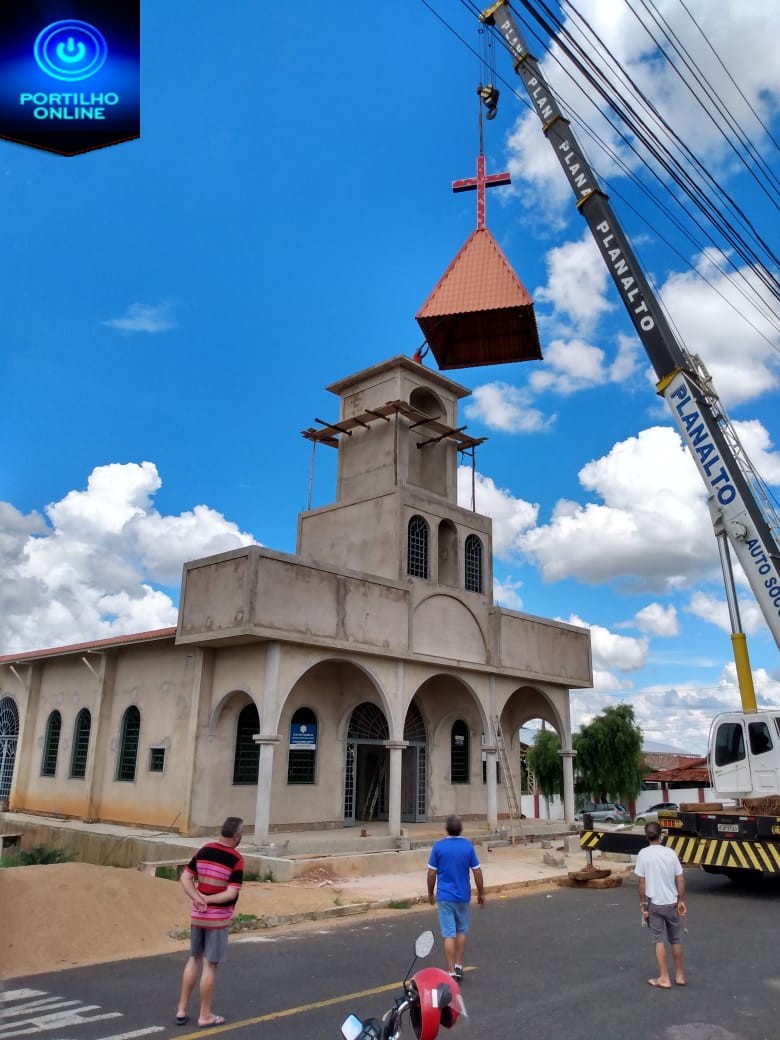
(661,897)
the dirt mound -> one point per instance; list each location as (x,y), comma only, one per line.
(71,914)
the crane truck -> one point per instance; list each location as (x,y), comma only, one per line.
(740,835)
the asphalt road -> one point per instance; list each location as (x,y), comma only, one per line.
(569,964)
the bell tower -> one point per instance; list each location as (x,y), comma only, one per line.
(396,512)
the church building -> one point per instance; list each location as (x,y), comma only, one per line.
(369,676)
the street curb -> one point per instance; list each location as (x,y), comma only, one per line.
(355,909)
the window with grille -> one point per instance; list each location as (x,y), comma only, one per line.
(459,753)
(246,762)
(302,756)
(472,552)
(417,548)
(78,755)
(51,744)
(157,760)
(128,744)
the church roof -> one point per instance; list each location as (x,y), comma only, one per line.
(480,313)
(94,644)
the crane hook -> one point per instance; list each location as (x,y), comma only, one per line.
(489,95)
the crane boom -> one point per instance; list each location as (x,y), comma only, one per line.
(751,527)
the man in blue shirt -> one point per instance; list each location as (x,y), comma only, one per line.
(450,861)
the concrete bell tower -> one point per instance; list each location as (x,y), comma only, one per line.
(396,512)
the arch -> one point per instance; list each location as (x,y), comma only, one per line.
(302,753)
(427,466)
(129,739)
(460,759)
(414,767)
(425,400)
(246,756)
(51,744)
(9,736)
(367,765)
(417,547)
(472,563)
(80,747)
(222,703)
(448,553)
(443,626)
(368,722)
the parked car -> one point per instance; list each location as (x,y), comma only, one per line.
(604,812)
(651,815)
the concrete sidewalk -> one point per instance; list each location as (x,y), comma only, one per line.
(507,870)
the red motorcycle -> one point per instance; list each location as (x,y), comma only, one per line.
(431,998)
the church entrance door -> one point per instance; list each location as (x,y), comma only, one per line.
(366,773)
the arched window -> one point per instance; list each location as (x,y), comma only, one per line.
(78,755)
(302,756)
(51,744)
(246,763)
(459,753)
(128,744)
(9,736)
(417,548)
(472,552)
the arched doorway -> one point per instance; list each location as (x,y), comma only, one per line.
(366,772)
(414,766)
(9,734)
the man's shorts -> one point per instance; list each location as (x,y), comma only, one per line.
(454,919)
(211,943)
(664,922)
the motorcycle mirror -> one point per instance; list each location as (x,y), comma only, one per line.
(423,944)
(351,1027)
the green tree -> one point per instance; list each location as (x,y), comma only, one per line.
(546,764)
(609,756)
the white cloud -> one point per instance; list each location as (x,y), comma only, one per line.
(741,355)
(505,593)
(650,529)
(679,715)
(577,280)
(714,610)
(658,620)
(88,573)
(503,407)
(569,366)
(144,317)
(510,515)
(745,28)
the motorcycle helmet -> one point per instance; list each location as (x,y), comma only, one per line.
(433,987)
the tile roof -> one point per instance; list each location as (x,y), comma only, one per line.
(480,312)
(95,644)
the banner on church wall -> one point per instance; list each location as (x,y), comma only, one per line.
(70,82)
(303,736)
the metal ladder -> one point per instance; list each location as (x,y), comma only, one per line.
(512,801)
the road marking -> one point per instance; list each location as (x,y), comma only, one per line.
(47,1004)
(288,1012)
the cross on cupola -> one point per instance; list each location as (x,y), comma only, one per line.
(481,182)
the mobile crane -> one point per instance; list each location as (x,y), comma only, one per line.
(744,746)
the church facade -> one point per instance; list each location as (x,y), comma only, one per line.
(368,676)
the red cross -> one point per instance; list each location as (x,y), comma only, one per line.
(481,182)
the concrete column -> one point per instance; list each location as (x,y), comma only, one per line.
(267,742)
(396,749)
(491,756)
(568,784)
(199,677)
(99,770)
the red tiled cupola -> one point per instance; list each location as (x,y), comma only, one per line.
(480,313)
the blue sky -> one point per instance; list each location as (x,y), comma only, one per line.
(174,307)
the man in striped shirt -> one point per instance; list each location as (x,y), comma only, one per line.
(212,879)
